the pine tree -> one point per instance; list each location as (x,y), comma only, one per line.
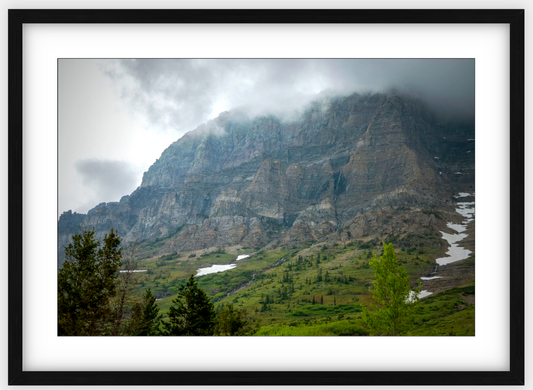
(233,322)
(192,313)
(124,284)
(396,303)
(145,318)
(319,275)
(86,282)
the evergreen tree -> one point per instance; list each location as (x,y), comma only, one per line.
(396,303)
(145,318)
(233,322)
(319,275)
(122,302)
(192,313)
(86,282)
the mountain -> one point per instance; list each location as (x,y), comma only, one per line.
(347,168)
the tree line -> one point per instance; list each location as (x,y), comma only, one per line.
(96,299)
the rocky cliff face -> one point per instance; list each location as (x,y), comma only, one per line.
(340,166)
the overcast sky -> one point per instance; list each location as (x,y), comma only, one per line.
(117,116)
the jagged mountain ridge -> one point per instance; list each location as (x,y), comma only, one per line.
(340,167)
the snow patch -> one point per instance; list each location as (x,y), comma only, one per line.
(455,252)
(422,294)
(459,228)
(466,209)
(462,195)
(214,269)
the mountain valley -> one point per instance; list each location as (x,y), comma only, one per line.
(293,209)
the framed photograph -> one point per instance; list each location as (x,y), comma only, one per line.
(295,164)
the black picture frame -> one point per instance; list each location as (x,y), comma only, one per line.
(16,374)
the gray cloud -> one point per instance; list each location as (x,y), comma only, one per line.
(107,180)
(182,93)
(131,110)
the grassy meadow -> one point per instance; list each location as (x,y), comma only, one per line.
(315,290)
